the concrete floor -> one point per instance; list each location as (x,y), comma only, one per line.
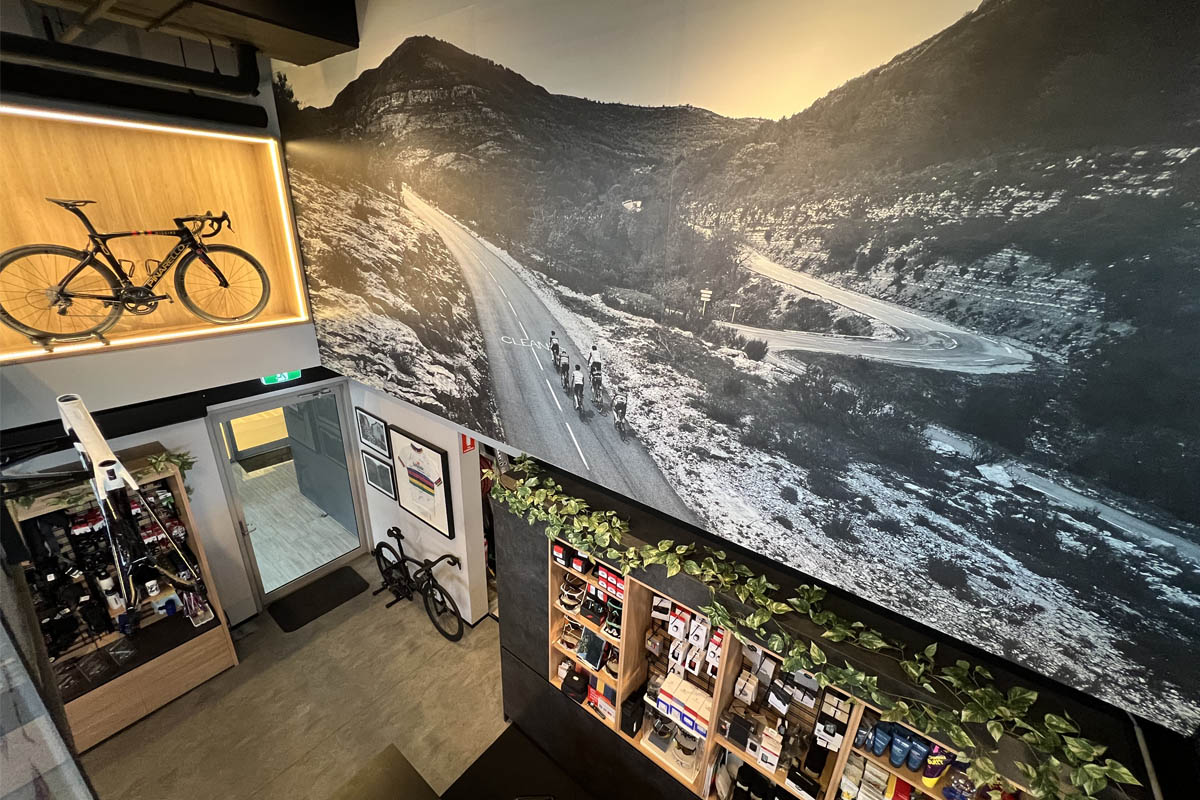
(305,711)
(291,534)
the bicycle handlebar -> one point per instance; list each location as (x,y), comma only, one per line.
(210,219)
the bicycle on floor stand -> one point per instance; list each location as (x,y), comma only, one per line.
(403,583)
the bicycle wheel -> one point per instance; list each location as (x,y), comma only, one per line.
(443,611)
(391,567)
(201,292)
(30,301)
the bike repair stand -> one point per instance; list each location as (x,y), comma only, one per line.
(394,600)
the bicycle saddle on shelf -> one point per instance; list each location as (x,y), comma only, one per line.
(69,203)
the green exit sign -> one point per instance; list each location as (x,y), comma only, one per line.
(280,377)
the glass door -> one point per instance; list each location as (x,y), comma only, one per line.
(287,472)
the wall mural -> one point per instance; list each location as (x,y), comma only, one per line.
(929,334)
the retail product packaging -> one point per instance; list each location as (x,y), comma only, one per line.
(679,651)
(695,659)
(772,746)
(655,643)
(847,789)
(802,784)
(746,688)
(779,698)
(632,714)
(713,654)
(562,554)
(855,765)
(581,564)
(766,671)
(698,632)
(935,764)
(660,609)
(677,626)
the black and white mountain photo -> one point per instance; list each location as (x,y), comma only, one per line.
(919,319)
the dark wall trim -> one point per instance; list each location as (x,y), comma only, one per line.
(138,417)
(33,85)
(17,49)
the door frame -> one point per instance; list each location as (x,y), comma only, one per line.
(217,422)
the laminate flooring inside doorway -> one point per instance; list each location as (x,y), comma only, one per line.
(291,534)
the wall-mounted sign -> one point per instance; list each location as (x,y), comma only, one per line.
(280,377)
(114,232)
(467,442)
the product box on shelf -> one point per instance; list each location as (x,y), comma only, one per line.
(677,626)
(660,609)
(562,554)
(611,580)
(771,747)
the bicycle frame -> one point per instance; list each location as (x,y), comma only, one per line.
(188,241)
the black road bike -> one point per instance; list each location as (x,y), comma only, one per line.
(402,583)
(52,293)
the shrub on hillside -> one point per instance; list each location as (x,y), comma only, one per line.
(755,349)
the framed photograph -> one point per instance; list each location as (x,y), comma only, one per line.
(379,474)
(373,432)
(423,488)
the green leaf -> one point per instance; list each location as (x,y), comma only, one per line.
(959,736)
(758,618)
(1059,724)
(871,640)
(602,539)
(931,651)
(996,729)
(816,653)
(691,567)
(1083,749)
(673,565)
(896,713)
(799,604)
(665,545)
(776,643)
(1118,773)
(779,608)
(683,549)
(973,712)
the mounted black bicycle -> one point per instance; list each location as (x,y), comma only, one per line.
(439,605)
(53,293)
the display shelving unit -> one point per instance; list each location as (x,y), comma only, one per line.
(166,657)
(634,664)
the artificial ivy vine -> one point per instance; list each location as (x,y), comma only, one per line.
(159,462)
(1066,765)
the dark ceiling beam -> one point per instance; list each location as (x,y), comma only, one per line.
(93,13)
(26,50)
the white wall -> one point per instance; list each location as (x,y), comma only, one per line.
(468,585)
(122,377)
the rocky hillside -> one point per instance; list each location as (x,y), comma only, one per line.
(389,301)
(489,145)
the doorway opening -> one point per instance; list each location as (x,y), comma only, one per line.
(287,470)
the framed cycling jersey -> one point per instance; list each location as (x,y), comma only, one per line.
(422,483)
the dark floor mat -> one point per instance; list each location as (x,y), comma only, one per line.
(264,460)
(321,596)
(516,767)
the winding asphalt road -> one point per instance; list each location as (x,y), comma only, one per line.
(922,342)
(537,413)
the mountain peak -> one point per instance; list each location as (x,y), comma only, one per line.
(426,62)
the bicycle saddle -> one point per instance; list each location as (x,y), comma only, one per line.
(69,203)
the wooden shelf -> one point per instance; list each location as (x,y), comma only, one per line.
(587,623)
(778,777)
(606,721)
(663,760)
(599,673)
(903,773)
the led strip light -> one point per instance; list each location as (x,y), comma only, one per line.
(289,232)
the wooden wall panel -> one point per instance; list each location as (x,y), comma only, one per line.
(140,179)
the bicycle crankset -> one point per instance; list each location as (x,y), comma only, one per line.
(139,300)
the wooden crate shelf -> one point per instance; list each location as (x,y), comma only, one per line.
(168,660)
